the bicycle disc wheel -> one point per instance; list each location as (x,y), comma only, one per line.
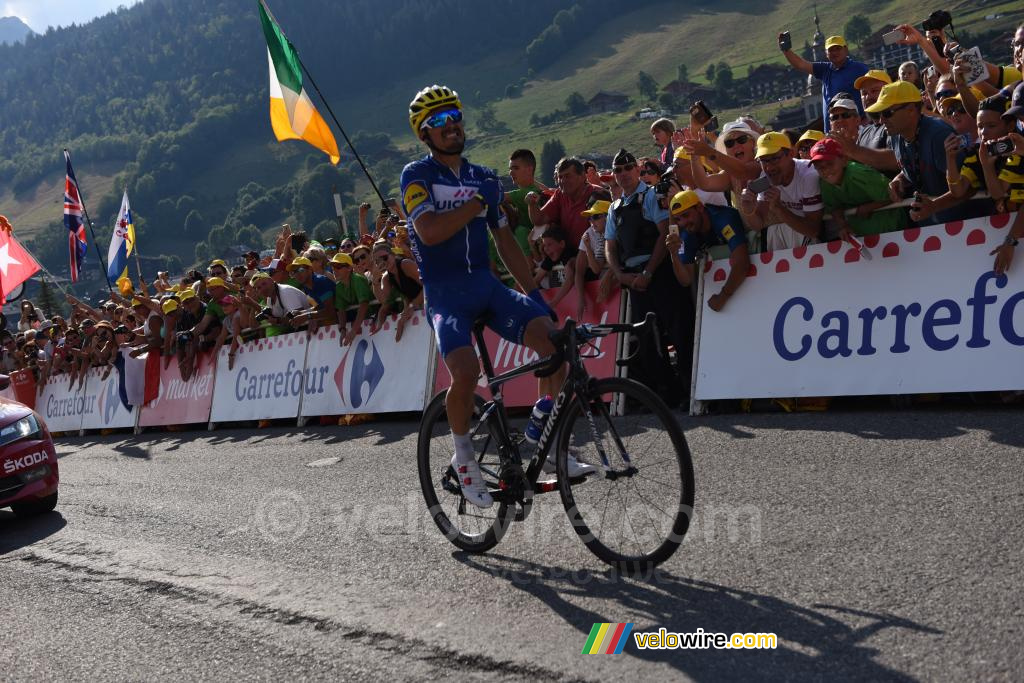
(634,511)
(470,528)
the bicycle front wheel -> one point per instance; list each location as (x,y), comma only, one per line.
(469,528)
(635,510)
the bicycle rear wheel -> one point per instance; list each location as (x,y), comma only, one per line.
(634,512)
(470,528)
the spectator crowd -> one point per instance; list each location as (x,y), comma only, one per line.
(928,144)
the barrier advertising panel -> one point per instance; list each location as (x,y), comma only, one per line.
(103,404)
(178,402)
(925,314)
(264,383)
(375,374)
(61,407)
(506,356)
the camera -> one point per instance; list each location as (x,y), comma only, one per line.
(1000,148)
(664,185)
(264,314)
(937,20)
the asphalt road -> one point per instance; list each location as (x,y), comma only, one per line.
(875,545)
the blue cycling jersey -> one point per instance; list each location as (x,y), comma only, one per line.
(428,185)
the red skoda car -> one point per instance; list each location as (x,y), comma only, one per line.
(28,461)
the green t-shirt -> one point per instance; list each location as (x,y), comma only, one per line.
(356,292)
(518,199)
(214,308)
(863,185)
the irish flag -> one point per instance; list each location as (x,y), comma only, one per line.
(292,113)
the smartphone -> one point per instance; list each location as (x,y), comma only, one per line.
(759,185)
(892,37)
(938,43)
(673,230)
(700,112)
(786,42)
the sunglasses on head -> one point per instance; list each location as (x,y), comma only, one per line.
(623,168)
(738,140)
(441,118)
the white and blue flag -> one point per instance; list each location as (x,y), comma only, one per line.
(122,242)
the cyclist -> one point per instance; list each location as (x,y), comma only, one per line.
(452,204)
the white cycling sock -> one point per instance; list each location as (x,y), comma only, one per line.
(463,448)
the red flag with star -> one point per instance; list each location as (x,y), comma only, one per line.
(16,264)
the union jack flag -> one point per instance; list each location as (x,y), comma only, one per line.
(73,221)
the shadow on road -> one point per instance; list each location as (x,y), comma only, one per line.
(1003,425)
(814,643)
(19,532)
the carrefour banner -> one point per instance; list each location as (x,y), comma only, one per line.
(374,374)
(61,405)
(104,405)
(179,402)
(924,314)
(265,381)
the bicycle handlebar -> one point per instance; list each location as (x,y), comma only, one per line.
(584,332)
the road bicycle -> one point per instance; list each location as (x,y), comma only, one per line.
(633,512)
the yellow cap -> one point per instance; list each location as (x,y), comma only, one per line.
(681,153)
(813,135)
(1011,75)
(257,277)
(900,92)
(175,288)
(137,302)
(218,262)
(833,41)
(216,282)
(341,259)
(683,201)
(598,208)
(873,74)
(397,251)
(770,143)
(186,294)
(169,306)
(299,262)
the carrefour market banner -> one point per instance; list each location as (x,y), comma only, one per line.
(61,405)
(925,314)
(179,402)
(265,381)
(104,405)
(374,374)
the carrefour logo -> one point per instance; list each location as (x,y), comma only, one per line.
(369,372)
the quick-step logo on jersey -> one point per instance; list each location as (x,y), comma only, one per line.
(448,198)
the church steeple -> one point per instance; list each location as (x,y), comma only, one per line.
(817,54)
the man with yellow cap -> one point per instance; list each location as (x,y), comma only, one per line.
(918,143)
(352,296)
(699,226)
(838,74)
(790,211)
(872,136)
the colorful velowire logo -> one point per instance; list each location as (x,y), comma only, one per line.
(607,639)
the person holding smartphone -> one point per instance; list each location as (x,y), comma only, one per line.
(838,74)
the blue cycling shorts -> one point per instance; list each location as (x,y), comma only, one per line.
(453,307)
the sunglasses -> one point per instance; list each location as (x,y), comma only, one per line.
(360,257)
(340,265)
(597,217)
(330,247)
(953,109)
(648,171)
(441,118)
(738,140)
(843,115)
(943,94)
(891,111)
(300,269)
(623,168)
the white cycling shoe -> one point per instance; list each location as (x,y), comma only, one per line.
(472,483)
(576,468)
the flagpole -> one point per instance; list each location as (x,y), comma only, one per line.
(135,245)
(312,82)
(92,231)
